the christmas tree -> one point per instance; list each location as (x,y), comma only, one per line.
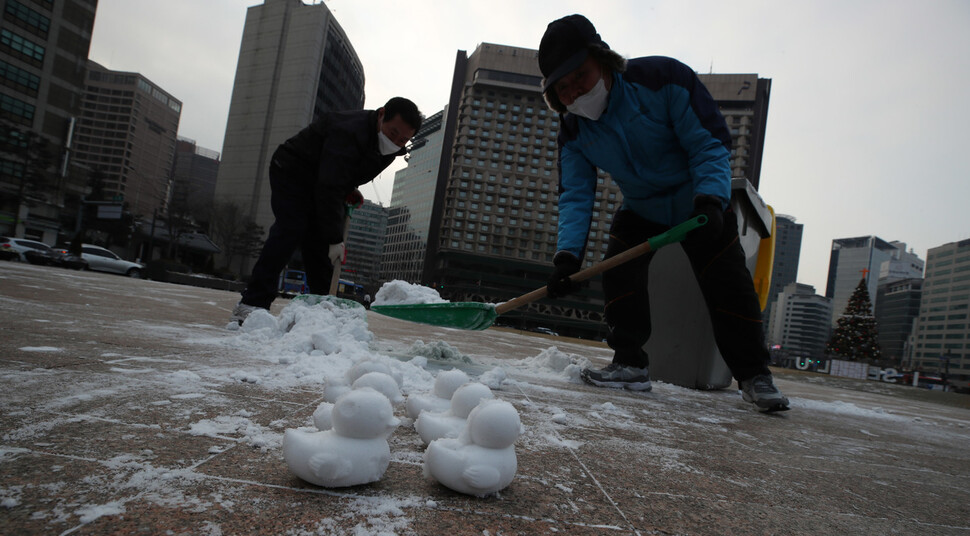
(855,333)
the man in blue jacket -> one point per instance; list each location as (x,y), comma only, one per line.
(312,176)
(652,125)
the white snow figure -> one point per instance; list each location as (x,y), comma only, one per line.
(334,388)
(482,459)
(353,452)
(431,426)
(372,365)
(439,400)
(382,383)
(322,416)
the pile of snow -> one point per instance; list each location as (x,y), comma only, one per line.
(399,292)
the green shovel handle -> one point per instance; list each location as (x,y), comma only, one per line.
(678,232)
(674,234)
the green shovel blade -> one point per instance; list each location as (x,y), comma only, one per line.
(458,315)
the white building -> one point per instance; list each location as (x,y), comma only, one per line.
(799,321)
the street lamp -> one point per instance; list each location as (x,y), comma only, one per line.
(946,368)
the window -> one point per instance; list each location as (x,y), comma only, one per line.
(29,51)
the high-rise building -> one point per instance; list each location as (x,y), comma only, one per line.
(901,265)
(409,217)
(743,101)
(495,214)
(799,323)
(897,307)
(365,240)
(194,178)
(850,261)
(784,268)
(127,134)
(43,53)
(295,62)
(942,341)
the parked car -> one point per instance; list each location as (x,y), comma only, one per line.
(67,259)
(105,260)
(7,252)
(545,331)
(30,251)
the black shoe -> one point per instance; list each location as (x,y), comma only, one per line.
(761,391)
(619,376)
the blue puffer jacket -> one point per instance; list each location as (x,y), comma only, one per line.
(661,139)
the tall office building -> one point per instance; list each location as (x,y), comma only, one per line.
(784,268)
(850,261)
(942,342)
(409,217)
(295,62)
(799,322)
(127,132)
(743,101)
(901,264)
(897,307)
(495,214)
(43,53)
(365,240)
(194,178)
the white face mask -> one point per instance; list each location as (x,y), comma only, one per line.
(592,104)
(384,144)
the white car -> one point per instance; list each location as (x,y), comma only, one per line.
(105,260)
(23,245)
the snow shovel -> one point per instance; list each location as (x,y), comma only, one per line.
(478,316)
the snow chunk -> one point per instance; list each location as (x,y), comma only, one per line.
(399,292)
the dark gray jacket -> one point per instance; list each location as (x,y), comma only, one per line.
(329,159)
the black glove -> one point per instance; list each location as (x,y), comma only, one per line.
(710,206)
(566,264)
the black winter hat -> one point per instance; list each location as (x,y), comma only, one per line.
(564,47)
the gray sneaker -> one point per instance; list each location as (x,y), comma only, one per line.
(241,311)
(761,391)
(618,376)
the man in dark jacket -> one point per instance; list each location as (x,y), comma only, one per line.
(653,126)
(312,176)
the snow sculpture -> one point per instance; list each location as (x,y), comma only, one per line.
(439,400)
(354,451)
(482,459)
(431,426)
(382,383)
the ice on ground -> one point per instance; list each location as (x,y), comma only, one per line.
(399,292)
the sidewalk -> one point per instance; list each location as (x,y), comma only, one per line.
(99,434)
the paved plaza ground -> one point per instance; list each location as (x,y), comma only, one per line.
(127,407)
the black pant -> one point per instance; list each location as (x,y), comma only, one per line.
(724,281)
(294,210)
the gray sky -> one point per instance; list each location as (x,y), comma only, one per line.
(867,120)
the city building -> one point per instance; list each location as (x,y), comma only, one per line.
(494,217)
(409,216)
(43,53)
(851,260)
(126,134)
(784,268)
(365,240)
(942,336)
(194,178)
(295,62)
(902,264)
(897,307)
(799,323)
(743,101)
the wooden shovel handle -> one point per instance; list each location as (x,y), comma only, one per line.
(674,234)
